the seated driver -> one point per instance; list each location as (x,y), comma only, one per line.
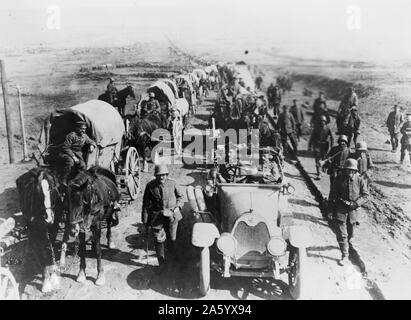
(72,150)
(152,105)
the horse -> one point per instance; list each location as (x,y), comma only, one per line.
(139,133)
(92,195)
(43,209)
(121,101)
(348,123)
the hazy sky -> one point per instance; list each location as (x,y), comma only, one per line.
(313,28)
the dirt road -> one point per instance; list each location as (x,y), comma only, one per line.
(131,273)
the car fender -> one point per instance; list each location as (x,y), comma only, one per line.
(300,236)
(204,234)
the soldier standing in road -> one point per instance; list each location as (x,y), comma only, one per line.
(348,194)
(270,96)
(337,157)
(320,103)
(320,141)
(394,121)
(364,160)
(406,139)
(287,126)
(320,109)
(298,114)
(161,211)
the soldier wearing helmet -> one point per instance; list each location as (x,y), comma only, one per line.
(363,158)
(348,193)
(320,142)
(336,158)
(406,139)
(161,211)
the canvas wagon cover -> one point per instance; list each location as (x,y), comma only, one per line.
(162,88)
(104,124)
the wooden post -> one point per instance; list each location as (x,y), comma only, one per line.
(9,127)
(23,129)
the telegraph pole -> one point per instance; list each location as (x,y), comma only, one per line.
(9,127)
(23,129)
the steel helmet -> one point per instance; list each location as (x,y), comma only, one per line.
(343,137)
(152,95)
(160,169)
(323,118)
(351,164)
(361,146)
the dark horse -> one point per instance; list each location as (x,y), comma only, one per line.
(91,197)
(121,99)
(43,209)
(140,131)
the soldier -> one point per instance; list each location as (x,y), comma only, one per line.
(355,123)
(336,158)
(320,103)
(348,194)
(286,124)
(406,139)
(364,160)
(72,151)
(161,211)
(349,100)
(112,91)
(394,121)
(298,114)
(320,109)
(270,96)
(151,106)
(320,141)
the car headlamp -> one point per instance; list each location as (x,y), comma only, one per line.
(276,246)
(227,244)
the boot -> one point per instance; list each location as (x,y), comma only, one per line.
(160,252)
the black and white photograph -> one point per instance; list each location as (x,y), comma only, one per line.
(212,151)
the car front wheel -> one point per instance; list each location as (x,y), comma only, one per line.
(297,279)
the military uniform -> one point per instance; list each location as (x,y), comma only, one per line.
(112,92)
(347,196)
(298,114)
(319,105)
(151,106)
(406,140)
(72,148)
(321,140)
(394,122)
(337,163)
(286,123)
(158,200)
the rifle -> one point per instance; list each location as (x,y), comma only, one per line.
(322,162)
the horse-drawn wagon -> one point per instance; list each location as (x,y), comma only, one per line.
(104,126)
(8,286)
(174,113)
(241,233)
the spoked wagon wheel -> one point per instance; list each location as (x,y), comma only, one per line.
(205,271)
(177,136)
(297,279)
(132,172)
(8,286)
